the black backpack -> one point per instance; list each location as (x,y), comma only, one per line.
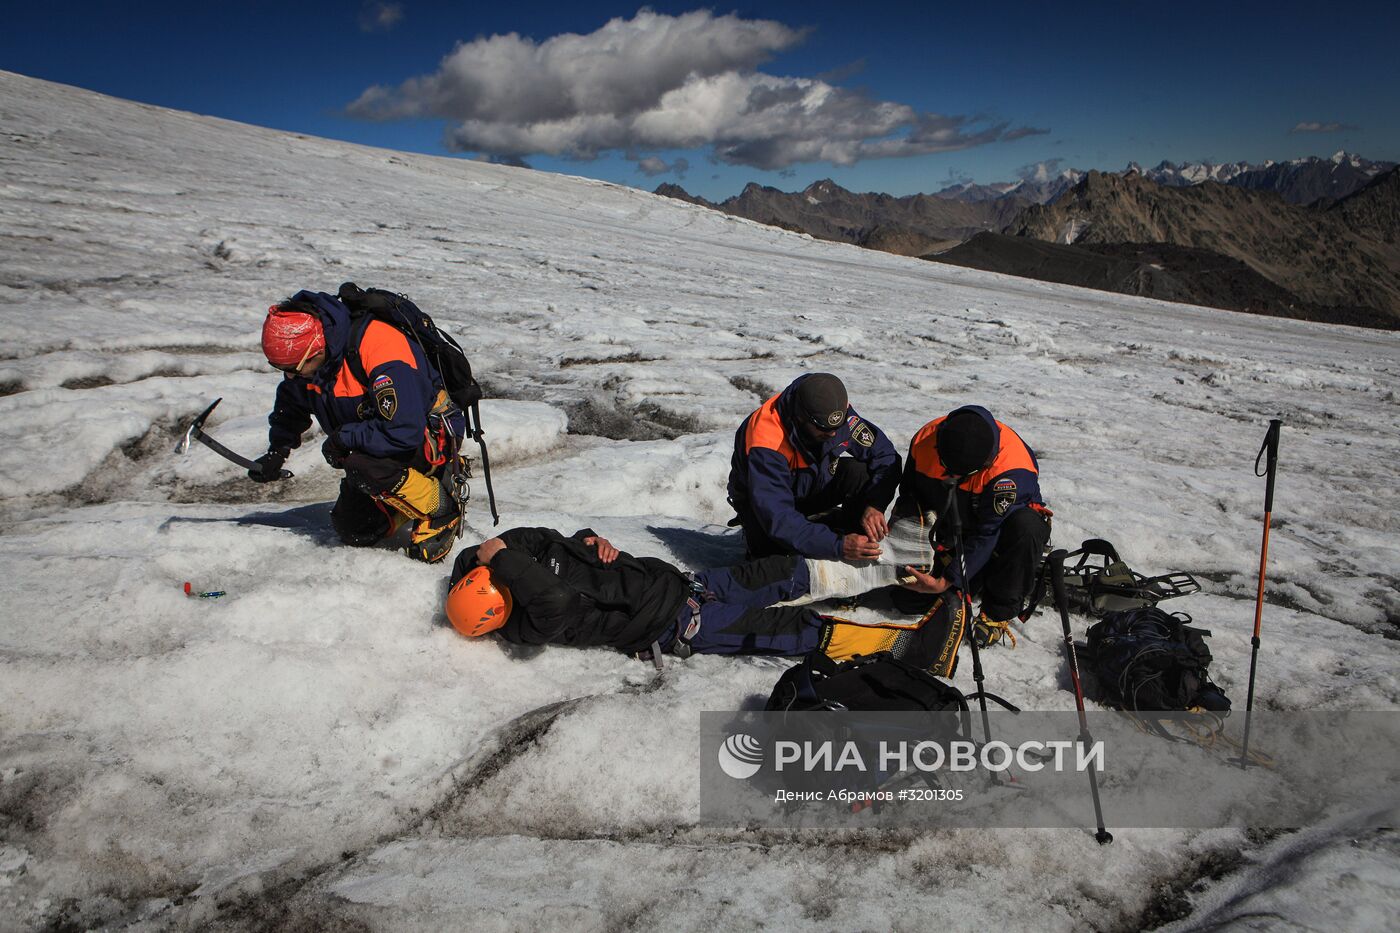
(874,682)
(443,353)
(1147,660)
(870,682)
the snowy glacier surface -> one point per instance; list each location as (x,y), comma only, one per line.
(317,747)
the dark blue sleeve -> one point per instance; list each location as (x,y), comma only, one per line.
(401,412)
(772,500)
(985,522)
(291,415)
(882,462)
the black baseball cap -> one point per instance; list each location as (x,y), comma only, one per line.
(820,400)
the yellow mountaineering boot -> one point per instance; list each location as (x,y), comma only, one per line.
(930,642)
(989,631)
(423,499)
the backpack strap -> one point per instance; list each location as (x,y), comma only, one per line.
(358,325)
(1004,704)
(474,428)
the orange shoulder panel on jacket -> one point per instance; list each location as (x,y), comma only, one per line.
(346,385)
(765,429)
(384,343)
(1012,454)
(923,451)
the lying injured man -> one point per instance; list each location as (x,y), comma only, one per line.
(535,586)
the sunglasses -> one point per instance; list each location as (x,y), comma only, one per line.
(311,351)
(820,423)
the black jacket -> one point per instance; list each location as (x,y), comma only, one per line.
(564,595)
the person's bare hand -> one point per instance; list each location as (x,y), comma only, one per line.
(489,549)
(873,521)
(858,547)
(606,552)
(925,583)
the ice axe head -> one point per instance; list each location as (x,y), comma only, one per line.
(196,426)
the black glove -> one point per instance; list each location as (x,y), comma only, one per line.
(334,451)
(269,465)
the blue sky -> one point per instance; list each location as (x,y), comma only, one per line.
(880,97)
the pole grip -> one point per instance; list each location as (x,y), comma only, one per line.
(1268,452)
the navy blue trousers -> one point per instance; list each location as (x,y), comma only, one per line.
(737,615)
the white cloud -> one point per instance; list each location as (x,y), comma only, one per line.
(1040,171)
(380,17)
(663,82)
(651,166)
(1315,127)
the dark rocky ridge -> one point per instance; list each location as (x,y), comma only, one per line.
(1307,181)
(1338,255)
(910,226)
(1152,270)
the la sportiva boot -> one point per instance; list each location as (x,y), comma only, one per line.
(434,536)
(434,511)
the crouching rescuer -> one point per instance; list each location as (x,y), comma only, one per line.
(389,422)
(994,479)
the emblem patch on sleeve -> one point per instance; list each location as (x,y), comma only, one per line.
(863,434)
(1003,495)
(382,382)
(387,402)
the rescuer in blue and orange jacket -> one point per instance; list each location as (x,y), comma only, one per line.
(1005,523)
(392,437)
(809,476)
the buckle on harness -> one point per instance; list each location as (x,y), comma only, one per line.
(652,654)
(681,646)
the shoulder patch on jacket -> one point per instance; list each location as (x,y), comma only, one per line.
(1003,495)
(387,402)
(862,433)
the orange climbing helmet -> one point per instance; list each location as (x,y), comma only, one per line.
(476,605)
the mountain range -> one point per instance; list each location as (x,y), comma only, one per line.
(914,225)
(1297,181)
(1310,238)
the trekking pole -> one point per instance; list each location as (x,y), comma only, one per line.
(966,597)
(1270,447)
(1057,579)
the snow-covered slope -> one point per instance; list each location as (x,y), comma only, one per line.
(317,744)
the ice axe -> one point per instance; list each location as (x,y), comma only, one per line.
(195,432)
